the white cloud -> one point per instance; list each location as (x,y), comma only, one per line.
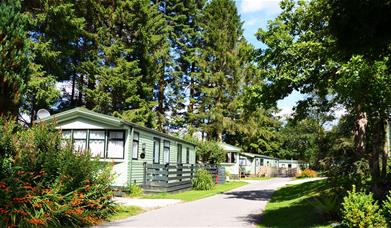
(269,6)
(251,22)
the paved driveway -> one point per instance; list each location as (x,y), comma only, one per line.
(240,207)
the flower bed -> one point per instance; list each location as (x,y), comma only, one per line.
(44,183)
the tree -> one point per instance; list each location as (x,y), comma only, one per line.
(257,131)
(57,34)
(303,53)
(14,57)
(221,76)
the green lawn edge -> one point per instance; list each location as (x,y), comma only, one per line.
(293,206)
(192,195)
(123,212)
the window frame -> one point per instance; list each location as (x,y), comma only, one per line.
(108,141)
(104,141)
(74,139)
(179,154)
(187,155)
(154,150)
(166,146)
(138,145)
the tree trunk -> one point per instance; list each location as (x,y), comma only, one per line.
(191,104)
(73,90)
(360,128)
(378,157)
(161,102)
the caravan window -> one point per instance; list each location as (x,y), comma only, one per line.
(179,154)
(96,143)
(116,144)
(166,152)
(156,150)
(80,139)
(135,145)
(242,161)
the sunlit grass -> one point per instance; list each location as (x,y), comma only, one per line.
(124,212)
(195,195)
(293,206)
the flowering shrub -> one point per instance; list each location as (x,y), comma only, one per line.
(308,173)
(45,184)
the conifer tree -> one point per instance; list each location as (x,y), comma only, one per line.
(221,75)
(13,61)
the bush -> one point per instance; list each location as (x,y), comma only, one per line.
(135,190)
(203,180)
(387,208)
(208,151)
(307,173)
(360,210)
(43,183)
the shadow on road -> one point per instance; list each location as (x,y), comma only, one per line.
(251,195)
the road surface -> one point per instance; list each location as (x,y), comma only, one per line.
(241,207)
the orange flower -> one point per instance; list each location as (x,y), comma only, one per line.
(20,200)
(3,185)
(3,211)
(75,202)
(37,205)
(37,221)
(20,212)
(78,211)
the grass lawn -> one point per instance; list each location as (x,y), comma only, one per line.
(195,195)
(296,206)
(125,211)
(256,178)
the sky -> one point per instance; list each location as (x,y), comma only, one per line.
(255,14)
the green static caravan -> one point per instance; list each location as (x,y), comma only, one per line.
(250,163)
(292,164)
(128,146)
(231,163)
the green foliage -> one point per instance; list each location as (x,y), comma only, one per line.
(40,185)
(387,208)
(135,190)
(202,180)
(257,131)
(14,60)
(209,152)
(360,210)
(221,67)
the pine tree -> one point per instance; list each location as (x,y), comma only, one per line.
(188,42)
(56,33)
(13,61)
(131,43)
(221,75)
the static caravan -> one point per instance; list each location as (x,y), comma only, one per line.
(292,164)
(130,147)
(231,164)
(250,163)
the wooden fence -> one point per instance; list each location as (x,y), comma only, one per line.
(175,177)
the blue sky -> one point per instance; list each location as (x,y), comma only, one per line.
(255,14)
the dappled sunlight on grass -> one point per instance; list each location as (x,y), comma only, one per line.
(293,206)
